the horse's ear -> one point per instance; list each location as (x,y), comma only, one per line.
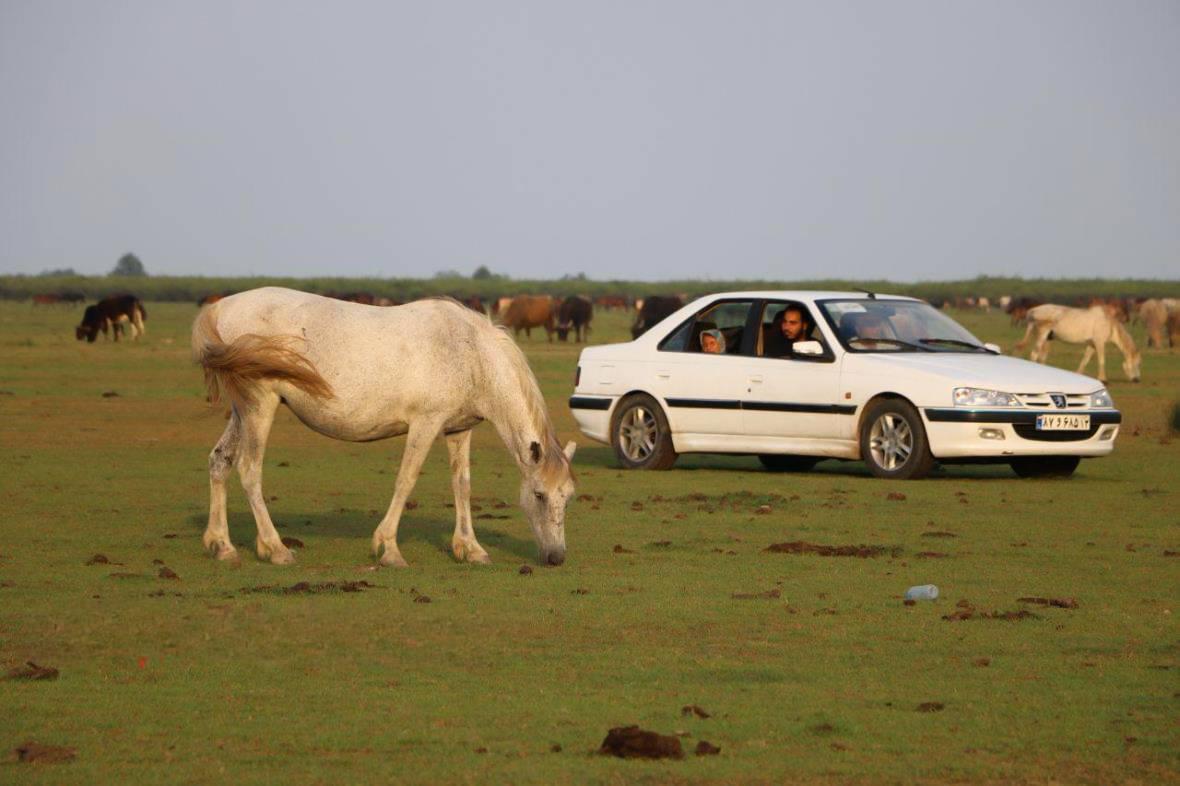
(570,447)
(535,450)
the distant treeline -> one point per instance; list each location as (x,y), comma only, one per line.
(192,288)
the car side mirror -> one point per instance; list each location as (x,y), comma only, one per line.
(990,347)
(813,348)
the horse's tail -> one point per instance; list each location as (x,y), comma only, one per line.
(237,369)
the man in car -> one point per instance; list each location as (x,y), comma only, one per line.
(789,326)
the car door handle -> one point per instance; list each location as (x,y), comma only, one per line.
(662,374)
(756,380)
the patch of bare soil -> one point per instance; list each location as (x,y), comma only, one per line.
(966,611)
(31,671)
(662,544)
(486,516)
(110,394)
(931,706)
(632,742)
(618,549)
(706,748)
(939,534)
(418,596)
(931,555)
(101,559)
(689,710)
(292,543)
(580,591)
(982,663)
(125,575)
(768,595)
(525,570)
(307,588)
(862,551)
(168,573)
(895,496)
(1061,603)
(36,753)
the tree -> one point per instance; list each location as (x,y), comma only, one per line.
(129,265)
(482,273)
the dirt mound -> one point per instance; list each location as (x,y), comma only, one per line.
(307,588)
(31,671)
(632,742)
(1061,603)
(36,753)
(862,551)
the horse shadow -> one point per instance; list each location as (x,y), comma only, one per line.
(434,531)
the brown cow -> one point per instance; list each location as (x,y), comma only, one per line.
(526,312)
(574,313)
(112,312)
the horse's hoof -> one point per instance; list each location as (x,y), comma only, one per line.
(391,559)
(284,557)
(479,558)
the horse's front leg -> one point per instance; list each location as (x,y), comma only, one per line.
(420,436)
(221,462)
(1089,353)
(463,543)
(257,419)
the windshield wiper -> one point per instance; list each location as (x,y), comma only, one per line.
(894,341)
(955,342)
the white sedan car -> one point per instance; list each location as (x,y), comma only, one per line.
(797,377)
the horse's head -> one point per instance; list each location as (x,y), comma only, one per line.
(544,491)
(1131,365)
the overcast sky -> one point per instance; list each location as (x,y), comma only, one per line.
(645,140)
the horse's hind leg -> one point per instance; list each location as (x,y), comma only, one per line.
(418,440)
(463,543)
(221,462)
(256,422)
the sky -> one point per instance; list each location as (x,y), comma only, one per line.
(623,140)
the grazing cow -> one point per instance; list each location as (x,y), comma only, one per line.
(473,302)
(611,302)
(500,305)
(575,312)
(526,312)
(46,299)
(654,309)
(112,312)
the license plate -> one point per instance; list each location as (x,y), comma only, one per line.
(1063,422)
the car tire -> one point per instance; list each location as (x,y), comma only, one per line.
(640,434)
(1045,466)
(893,441)
(775,462)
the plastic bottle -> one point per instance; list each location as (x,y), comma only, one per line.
(922,592)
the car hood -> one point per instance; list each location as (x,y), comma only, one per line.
(994,372)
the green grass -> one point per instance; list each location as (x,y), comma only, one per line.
(211,682)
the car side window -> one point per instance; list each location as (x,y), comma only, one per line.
(784,323)
(724,323)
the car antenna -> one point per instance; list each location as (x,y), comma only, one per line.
(872,295)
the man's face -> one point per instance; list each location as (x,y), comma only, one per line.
(793,325)
(709,344)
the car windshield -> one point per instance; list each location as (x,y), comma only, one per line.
(872,325)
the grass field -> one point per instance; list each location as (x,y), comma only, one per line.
(220,676)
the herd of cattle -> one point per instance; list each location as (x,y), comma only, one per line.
(117,314)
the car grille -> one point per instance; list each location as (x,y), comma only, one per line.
(1029,431)
(1042,400)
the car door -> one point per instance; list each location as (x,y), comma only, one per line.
(702,392)
(793,396)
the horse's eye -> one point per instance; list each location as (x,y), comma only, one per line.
(539,495)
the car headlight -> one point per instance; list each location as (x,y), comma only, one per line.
(979,397)
(1101,400)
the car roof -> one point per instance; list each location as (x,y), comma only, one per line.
(804,294)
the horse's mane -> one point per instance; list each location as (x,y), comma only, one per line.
(553,461)
(1123,338)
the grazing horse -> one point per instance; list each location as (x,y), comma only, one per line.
(112,313)
(361,373)
(1092,326)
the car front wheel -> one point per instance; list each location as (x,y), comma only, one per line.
(1045,466)
(640,434)
(893,441)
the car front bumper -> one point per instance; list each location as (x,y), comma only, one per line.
(955,432)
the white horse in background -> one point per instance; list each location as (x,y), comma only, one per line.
(1092,326)
(361,373)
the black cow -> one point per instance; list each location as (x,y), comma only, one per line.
(574,312)
(112,312)
(655,308)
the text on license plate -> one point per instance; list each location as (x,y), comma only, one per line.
(1063,422)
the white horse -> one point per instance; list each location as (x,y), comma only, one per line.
(362,373)
(1092,326)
